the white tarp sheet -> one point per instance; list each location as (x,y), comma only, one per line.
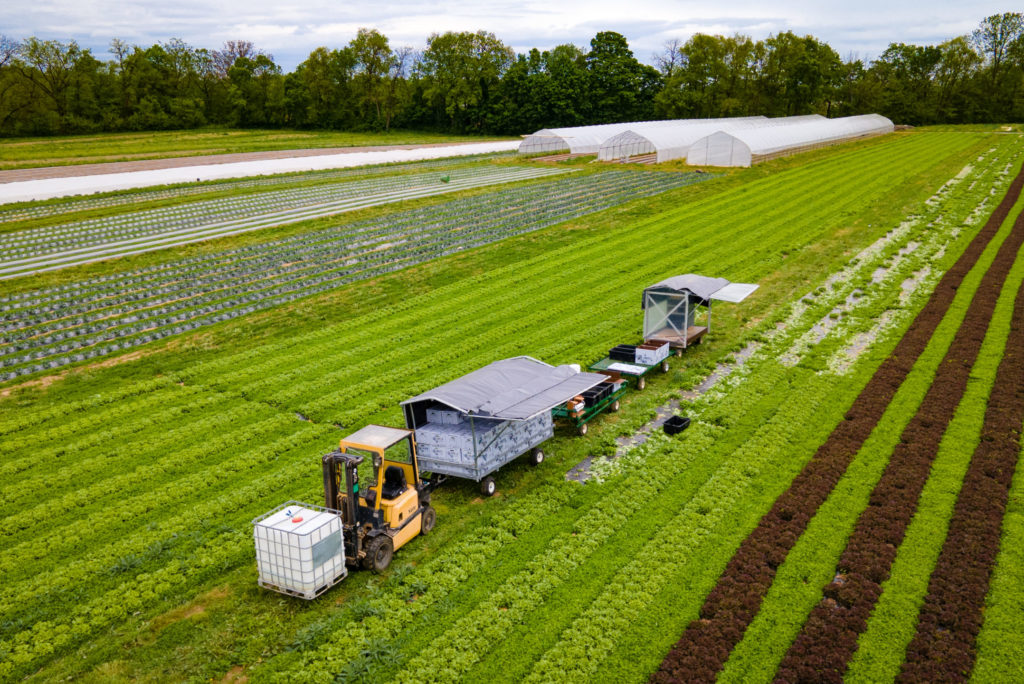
(734,292)
(26,191)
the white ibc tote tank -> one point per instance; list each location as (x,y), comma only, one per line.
(300,549)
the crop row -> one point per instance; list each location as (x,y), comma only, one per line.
(811,564)
(128,198)
(226,285)
(571,282)
(61,237)
(733,604)
(953,609)
(281,376)
(883,644)
(316,656)
(829,637)
(601,633)
(48,249)
(215,269)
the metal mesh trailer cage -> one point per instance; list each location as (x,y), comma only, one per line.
(475,424)
(300,549)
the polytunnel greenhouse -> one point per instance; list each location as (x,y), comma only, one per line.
(588,139)
(576,139)
(668,140)
(746,146)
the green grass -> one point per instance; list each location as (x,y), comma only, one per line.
(19,153)
(188,607)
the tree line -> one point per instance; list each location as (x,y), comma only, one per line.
(465,82)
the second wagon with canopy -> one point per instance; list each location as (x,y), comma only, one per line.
(671,307)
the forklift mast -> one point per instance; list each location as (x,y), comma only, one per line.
(345,500)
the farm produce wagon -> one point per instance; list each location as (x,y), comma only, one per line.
(671,307)
(584,407)
(634,361)
(474,425)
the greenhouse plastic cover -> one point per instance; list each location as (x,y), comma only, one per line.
(587,139)
(672,139)
(47,188)
(512,389)
(738,146)
(576,139)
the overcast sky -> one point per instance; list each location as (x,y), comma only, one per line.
(290,29)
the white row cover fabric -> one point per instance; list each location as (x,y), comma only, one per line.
(512,389)
(672,139)
(744,146)
(48,188)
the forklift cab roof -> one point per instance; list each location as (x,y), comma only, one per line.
(374,437)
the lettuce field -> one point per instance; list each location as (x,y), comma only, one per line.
(845,506)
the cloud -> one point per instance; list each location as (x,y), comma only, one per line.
(290,30)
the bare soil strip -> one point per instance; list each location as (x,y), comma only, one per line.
(827,641)
(943,650)
(736,598)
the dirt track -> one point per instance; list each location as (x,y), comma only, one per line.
(76,170)
(736,598)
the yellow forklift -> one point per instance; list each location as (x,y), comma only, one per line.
(393,506)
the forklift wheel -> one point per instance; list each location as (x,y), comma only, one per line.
(428,521)
(664,366)
(487,486)
(536,456)
(378,553)
(615,406)
(640,383)
(582,429)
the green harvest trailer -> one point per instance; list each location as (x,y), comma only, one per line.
(579,419)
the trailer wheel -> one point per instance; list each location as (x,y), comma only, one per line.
(379,553)
(428,521)
(641,383)
(536,456)
(582,429)
(488,486)
(664,366)
(679,352)
(615,406)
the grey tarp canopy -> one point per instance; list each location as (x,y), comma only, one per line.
(511,389)
(700,286)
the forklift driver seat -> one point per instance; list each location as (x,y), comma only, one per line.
(394,483)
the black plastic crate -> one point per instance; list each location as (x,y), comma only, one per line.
(676,424)
(623,352)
